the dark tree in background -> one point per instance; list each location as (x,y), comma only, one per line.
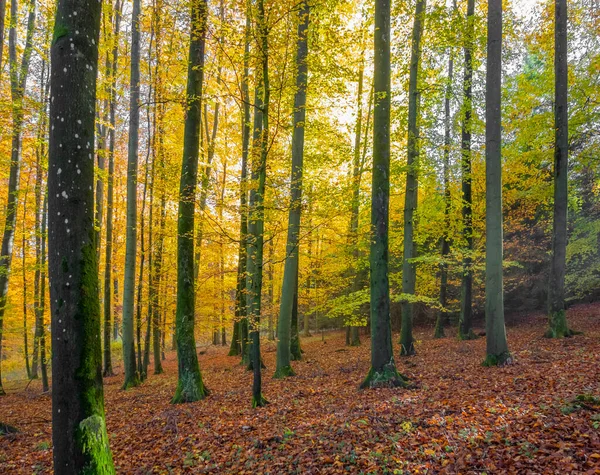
(557,317)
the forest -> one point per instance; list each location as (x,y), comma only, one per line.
(299,236)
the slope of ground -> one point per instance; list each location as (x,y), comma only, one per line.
(461,417)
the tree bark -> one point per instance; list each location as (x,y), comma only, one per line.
(557,316)
(409,271)
(383,368)
(443,314)
(237,337)
(496,345)
(189,384)
(80,441)
(289,288)
(108,302)
(465,325)
(129,361)
(256,215)
(42,297)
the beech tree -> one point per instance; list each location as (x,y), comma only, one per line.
(129,361)
(190,386)
(108,256)
(80,441)
(409,271)
(289,289)
(465,330)
(496,345)
(558,327)
(383,368)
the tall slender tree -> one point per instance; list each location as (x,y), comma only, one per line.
(129,361)
(80,441)
(42,296)
(240,293)
(383,368)
(40,225)
(496,347)
(465,324)
(557,316)
(109,304)
(443,314)
(353,337)
(256,214)
(409,271)
(289,288)
(190,386)
(18,83)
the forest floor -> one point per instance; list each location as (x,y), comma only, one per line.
(461,417)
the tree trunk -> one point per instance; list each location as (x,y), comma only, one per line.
(189,384)
(256,215)
(18,83)
(383,368)
(129,362)
(352,336)
(443,314)
(557,317)
(158,256)
(289,288)
(79,433)
(237,337)
(222,259)
(496,347)
(271,276)
(42,297)
(409,271)
(24,274)
(108,302)
(2,15)
(465,326)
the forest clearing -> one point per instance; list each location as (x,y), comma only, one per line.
(522,418)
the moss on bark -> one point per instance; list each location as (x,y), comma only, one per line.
(93,441)
(284,372)
(387,377)
(502,359)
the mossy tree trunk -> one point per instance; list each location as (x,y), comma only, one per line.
(18,83)
(557,317)
(496,345)
(190,386)
(442,315)
(409,271)
(256,215)
(80,441)
(287,325)
(383,368)
(465,324)
(129,353)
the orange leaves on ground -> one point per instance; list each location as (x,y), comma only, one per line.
(461,418)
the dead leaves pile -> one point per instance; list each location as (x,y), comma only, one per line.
(461,417)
